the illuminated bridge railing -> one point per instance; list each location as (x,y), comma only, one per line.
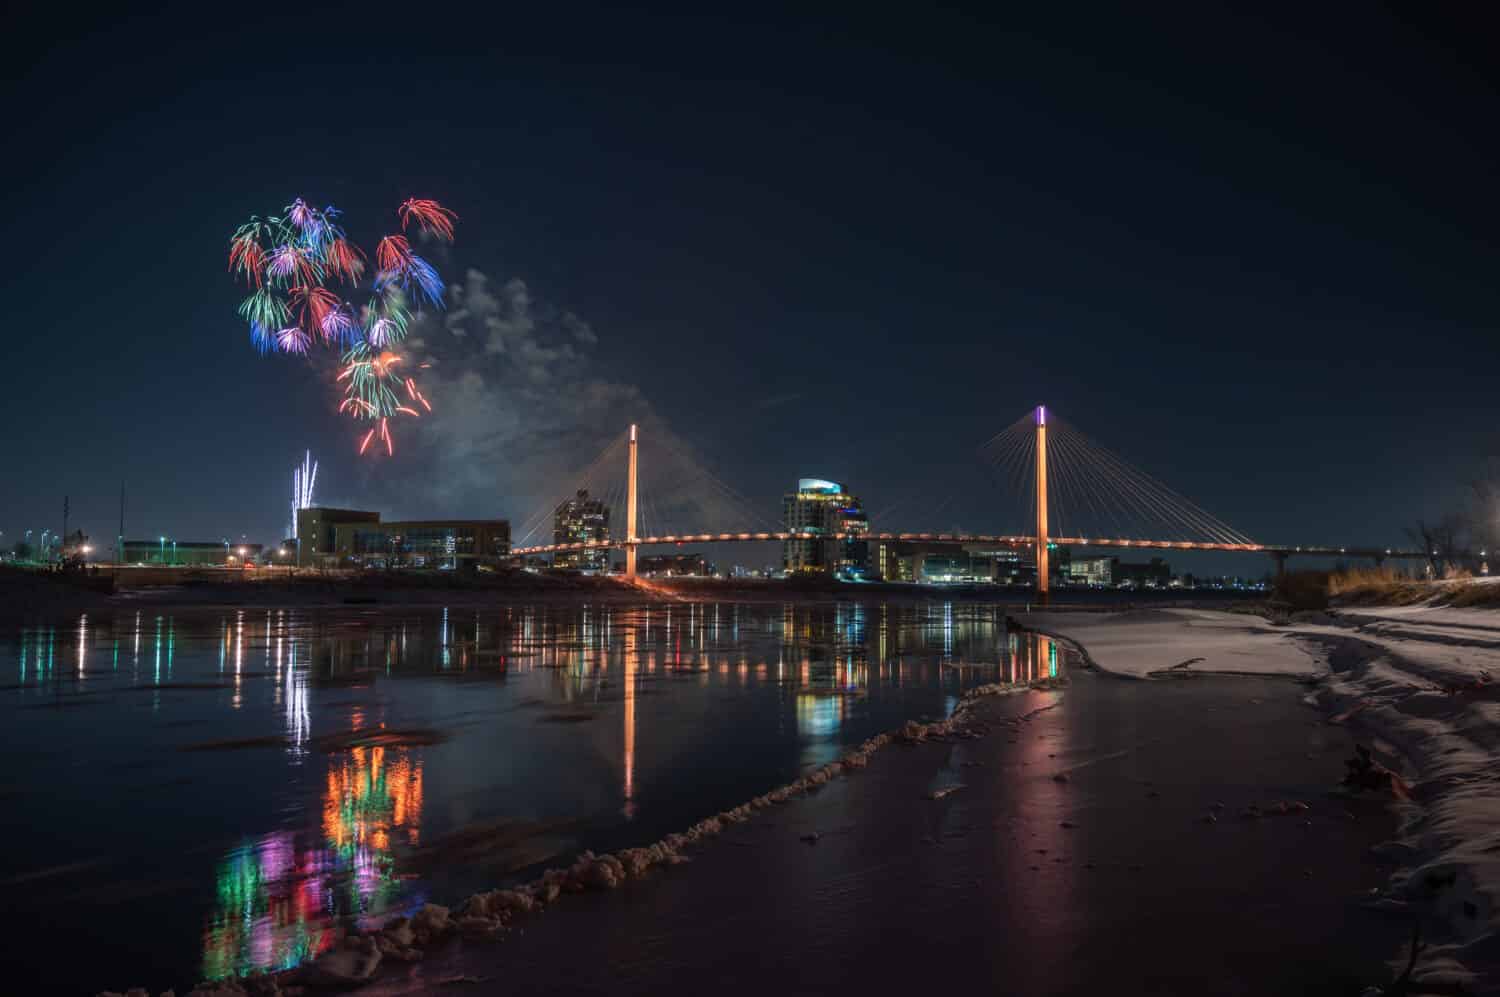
(1002,540)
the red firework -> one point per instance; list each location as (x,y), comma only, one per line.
(430,216)
(393,254)
(345,259)
(313,305)
(246,255)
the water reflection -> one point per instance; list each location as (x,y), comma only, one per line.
(271,910)
(274,898)
(625,723)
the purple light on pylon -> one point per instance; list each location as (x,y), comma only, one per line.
(1041,415)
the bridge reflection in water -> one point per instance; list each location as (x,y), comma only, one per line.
(597,726)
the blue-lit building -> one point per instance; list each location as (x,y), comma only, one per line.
(819,511)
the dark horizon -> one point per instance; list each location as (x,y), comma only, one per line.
(1249,255)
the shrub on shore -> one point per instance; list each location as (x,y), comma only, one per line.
(1384,586)
(1302,590)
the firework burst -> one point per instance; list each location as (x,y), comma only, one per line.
(392,254)
(430,216)
(345,260)
(287,261)
(293,340)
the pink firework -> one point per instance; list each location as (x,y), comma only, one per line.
(293,340)
(289,262)
(338,325)
(300,214)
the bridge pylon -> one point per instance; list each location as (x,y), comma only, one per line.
(631,534)
(1043,573)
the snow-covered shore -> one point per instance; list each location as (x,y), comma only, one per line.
(1419,681)
(1141,642)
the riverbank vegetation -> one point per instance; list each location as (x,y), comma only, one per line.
(1384,586)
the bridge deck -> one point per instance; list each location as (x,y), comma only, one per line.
(998,540)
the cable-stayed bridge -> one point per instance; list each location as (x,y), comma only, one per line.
(1067,489)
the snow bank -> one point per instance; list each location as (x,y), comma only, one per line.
(1174,642)
(1423,681)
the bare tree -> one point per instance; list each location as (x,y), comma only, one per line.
(1442,542)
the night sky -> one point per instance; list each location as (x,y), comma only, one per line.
(1254,257)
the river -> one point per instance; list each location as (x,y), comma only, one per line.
(200,794)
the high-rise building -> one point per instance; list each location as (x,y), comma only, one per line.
(820,511)
(579,520)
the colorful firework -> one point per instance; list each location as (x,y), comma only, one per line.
(264,309)
(288,260)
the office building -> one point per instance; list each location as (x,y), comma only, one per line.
(819,511)
(1153,574)
(343,538)
(930,563)
(578,520)
(1094,572)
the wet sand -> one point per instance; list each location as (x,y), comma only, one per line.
(985,886)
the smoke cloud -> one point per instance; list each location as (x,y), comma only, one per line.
(517,409)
